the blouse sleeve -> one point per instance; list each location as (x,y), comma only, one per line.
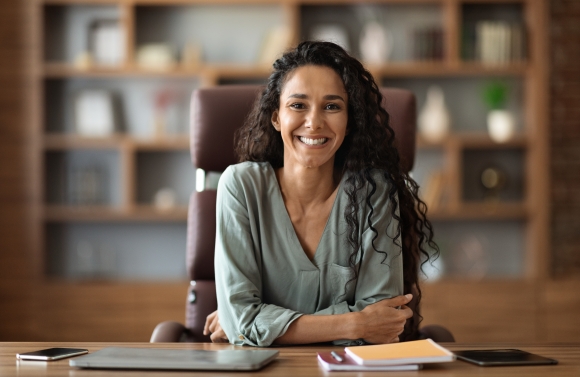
(238,270)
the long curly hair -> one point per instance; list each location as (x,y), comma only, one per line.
(369,145)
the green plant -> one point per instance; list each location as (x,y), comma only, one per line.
(495,95)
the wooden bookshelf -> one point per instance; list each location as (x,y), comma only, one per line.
(58,78)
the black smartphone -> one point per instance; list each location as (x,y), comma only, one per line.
(501,357)
(50,354)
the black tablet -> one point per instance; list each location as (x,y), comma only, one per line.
(503,357)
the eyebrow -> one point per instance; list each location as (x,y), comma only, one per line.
(326,97)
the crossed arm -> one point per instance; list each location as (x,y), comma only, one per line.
(381,322)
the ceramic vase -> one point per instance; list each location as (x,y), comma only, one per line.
(434,120)
(375,43)
(500,125)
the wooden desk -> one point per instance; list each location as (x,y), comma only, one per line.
(292,361)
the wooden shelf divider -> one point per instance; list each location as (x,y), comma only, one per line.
(103,213)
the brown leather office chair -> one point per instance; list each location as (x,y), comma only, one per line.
(216,113)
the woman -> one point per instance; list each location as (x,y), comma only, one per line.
(319,233)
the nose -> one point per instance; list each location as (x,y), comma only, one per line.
(314,119)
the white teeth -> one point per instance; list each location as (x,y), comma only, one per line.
(308,141)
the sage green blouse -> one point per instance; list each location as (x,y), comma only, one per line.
(265,281)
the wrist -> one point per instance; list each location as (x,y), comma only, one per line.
(356,326)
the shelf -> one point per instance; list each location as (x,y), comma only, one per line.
(472,141)
(481,211)
(445,69)
(64,70)
(146,213)
(53,70)
(70,142)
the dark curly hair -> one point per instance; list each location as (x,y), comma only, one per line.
(369,145)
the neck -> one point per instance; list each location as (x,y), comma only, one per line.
(307,186)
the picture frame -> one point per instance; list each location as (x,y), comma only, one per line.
(94,113)
(107,42)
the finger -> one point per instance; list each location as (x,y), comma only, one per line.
(400,300)
(206,326)
(209,322)
(214,326)
(219,337)
(406,312)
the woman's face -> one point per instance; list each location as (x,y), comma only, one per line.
(312,116)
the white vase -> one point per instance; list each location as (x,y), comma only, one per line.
(500,125)
(434,120)
(375,43)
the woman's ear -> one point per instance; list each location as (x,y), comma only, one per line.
(275,120)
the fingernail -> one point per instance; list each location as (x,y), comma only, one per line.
(409,296)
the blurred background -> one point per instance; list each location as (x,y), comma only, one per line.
(95,173)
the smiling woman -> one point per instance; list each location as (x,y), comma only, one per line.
(319,232)
(312,119)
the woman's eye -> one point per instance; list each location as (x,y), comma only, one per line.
(297,105)
(332,106)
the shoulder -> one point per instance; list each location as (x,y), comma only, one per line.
(240,177)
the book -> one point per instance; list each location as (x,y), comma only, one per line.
(329,363)
(414,352)
(433,190)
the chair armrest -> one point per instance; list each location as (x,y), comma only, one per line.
(436,333)
(168,332)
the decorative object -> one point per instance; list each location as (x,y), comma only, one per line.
(168,119)
(470,258)
(498,42)
(107,43)
(165,199)
(94,113)
(156,56)
(493,179)
(434,120)
(86,185)
(83,61)
(500,122)
(331,33)
(376,43)
(433,190)
(275,42)
(191,55)
(428,44)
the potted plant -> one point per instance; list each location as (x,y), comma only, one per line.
(500,122)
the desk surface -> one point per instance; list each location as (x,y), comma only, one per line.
(292,361)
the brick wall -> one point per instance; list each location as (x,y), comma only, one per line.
(565,142)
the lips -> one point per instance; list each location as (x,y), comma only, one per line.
(309,141)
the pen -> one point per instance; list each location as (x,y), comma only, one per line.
(336,356)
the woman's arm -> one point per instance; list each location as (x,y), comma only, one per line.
(378,323)
(243,316)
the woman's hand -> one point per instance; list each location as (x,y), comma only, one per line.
(212,326)
(385,320)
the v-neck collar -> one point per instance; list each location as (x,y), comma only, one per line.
(299,250)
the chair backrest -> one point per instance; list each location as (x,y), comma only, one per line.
(216,113)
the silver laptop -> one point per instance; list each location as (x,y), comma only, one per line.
(151,358)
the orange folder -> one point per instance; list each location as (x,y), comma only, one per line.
(415,352)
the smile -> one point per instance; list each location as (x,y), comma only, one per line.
(308,141)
